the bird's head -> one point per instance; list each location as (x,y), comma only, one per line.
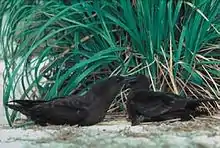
(109,87)
(137,82)
(112,86)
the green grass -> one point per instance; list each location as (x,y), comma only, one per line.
(54,50)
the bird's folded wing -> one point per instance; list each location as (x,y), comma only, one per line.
(153,108)
(65,109)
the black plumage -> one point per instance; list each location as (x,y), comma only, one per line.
(138,82)
(83,110)
(145,105)
(149,106)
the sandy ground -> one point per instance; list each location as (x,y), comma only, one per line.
(201,133)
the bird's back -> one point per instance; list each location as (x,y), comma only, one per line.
(60,111)
(159,106)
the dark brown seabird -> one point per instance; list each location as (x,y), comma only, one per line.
(144,105)
(85,110)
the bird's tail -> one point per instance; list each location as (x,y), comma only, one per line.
(204,100)
(23,106)
(28,103)
(192,103)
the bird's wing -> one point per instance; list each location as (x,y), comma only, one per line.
(152,104)
(152,109)
(69,111)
